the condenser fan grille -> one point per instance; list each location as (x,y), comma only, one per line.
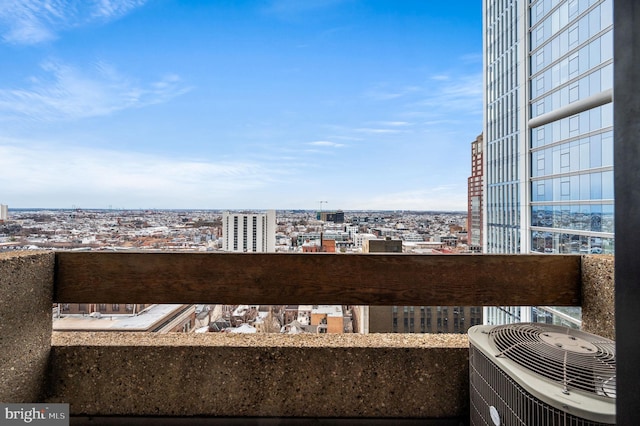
(572,358)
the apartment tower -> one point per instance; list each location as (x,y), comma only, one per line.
(4,212)
(249,232)
(548,127)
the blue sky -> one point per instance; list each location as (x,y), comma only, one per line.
(239,104)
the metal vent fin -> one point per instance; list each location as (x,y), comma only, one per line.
(575,359)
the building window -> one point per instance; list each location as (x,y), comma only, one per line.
(540,85)
(574,92)
(115,307)
(574,125)
(573,36)
(573,66)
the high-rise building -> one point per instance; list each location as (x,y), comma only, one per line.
(249,232)
(4,212)
(548,133)
(475,197)
(548,126)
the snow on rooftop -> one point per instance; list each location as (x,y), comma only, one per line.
(139,322)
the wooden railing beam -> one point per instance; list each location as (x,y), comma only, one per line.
(372,279)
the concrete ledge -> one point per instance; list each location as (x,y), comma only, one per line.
(26,289)
(376,376)
(598,296)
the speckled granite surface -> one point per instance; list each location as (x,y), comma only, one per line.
(261,375)
(598,295)
(261,340)
(26,288)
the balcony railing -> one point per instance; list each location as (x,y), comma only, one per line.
(212,375)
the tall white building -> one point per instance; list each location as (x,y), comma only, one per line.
(548,74)
(249,232)
(4,212)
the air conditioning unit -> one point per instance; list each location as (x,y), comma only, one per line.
(541,374)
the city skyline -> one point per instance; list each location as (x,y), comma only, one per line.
(250,105)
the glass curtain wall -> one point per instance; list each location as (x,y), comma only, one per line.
(571,126)
(503,94)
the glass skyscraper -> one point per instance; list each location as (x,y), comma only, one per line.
(548,67)
(505,122)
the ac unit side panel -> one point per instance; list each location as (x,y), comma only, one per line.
(502,383)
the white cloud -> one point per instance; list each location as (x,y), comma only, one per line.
(111,9)
(376,130)
(383,93)
(472,58)
(36,21)
(440,93)
(326,144)
(462,94)
(65,92)
(442,198)
(55,174)
(394,123)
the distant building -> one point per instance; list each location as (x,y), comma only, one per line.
(249,232)
(311,246)
(475,197)
(382,246)
(360,238)
(319,246)
(413,319)
(335,217)
(163,318)
(423,319)
(102,308)
(360,220)
(328,319)
(315,319)
(4,212)
(352,230)
(299,313)
(328,246)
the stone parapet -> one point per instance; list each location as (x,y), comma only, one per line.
(26,291)
(217,374)
(598,295)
